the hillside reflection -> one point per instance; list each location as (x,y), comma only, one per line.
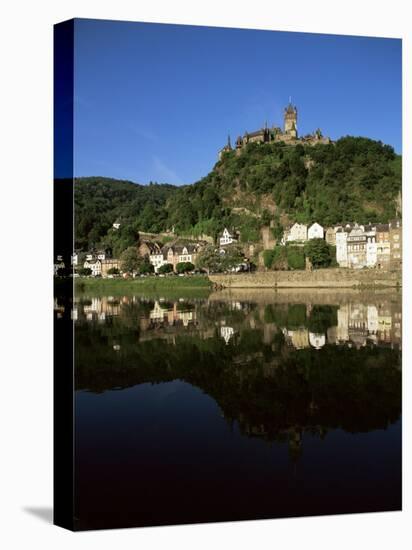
(278,369)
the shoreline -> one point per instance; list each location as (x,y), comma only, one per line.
(333,278)
(326,279)
(144,285)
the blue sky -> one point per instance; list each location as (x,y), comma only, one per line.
(155,102)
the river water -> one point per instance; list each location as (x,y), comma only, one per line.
(236,406)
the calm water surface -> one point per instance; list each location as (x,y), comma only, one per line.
(236,406)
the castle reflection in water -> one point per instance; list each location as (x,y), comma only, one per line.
(352,320)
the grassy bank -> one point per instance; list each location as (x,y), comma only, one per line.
(180,286)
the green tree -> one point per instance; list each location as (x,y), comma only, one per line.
(165,268)
(184,267)
(268,256)
(113,271)
(277,229)
(276,259)
(130,259)
(209,259)
(84,271)
(232,257)
(146,267)
(318,252)
(266,217)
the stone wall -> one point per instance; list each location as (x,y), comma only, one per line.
(321,278)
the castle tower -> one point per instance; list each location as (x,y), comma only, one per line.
(226,148)
(291,121)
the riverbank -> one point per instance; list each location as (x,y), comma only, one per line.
(318,296)
(322,278)
(143,285)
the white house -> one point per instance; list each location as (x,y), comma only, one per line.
(298,232)
(116,225)
(186,254)
(95,266)
(371,246)
(157,260)
(342,245)
(227,238)
(315,231)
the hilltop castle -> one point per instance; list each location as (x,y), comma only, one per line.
(289,134)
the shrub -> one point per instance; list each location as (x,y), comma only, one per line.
(280,261)
(165,268)
(146,268)
(318,252)
(268,258)
(184,267)
(296,257)
(84,271)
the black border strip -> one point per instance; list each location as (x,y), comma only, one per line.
(63,383)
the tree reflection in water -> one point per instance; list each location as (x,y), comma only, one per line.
(277,369)
(309,388)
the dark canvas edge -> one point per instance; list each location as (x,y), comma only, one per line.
(63,383)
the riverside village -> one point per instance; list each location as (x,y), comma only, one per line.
(281,244)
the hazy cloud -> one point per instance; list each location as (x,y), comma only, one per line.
(163,173)
(144,133)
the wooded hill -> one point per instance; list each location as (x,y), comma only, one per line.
(354,179)
(100,202)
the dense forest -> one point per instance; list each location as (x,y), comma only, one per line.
(354,179)
(100,202)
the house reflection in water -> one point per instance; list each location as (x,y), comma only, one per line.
(316,340)
(377,320)
(172,313)
(361,324)
(302,338)
(226,333)
(298,338)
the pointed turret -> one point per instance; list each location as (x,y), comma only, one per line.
(291,120)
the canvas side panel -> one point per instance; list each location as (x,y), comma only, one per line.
(63,287)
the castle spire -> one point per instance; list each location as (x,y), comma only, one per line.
(228,141)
